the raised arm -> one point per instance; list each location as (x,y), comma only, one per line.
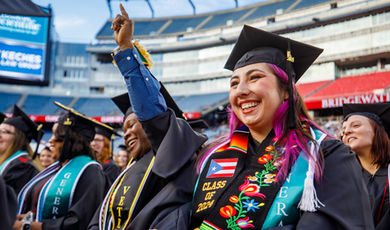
(144,89)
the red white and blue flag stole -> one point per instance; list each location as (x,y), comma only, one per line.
(119,204)
(10,159)
(53,168)
(56,195)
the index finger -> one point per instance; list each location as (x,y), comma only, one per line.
(123,11)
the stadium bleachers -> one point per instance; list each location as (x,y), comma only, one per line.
(181,24)
(347,86)
(308,3)
(7,100)
(198,103)
(95,106)
(308,89)
(222,19)
(270,9)
(35,104)
(147,27)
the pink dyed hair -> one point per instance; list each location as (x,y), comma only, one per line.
(294,141)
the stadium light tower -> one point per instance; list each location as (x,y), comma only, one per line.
(193,6)
(147,1)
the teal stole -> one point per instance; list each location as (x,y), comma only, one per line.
(56,195)
(284,209)
(10,159)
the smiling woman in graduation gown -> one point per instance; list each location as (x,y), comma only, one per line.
(277,169)
(16,165)
(65,195)
(366,129)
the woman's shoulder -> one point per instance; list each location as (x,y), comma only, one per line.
(332,145)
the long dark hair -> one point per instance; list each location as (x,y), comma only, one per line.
(380,148)
(75,144)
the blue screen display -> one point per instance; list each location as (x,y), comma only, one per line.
(23,44)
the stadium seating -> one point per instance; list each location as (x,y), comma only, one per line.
(7,100)
(221,19)
(43,105)
(308,3)
(197,103)
(181,24)
(347,86)
(95,106)
(270,9)
(308,89)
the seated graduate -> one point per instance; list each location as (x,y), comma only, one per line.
(66,194)
(46,157)
(156,187)
(122,158)
(366,129)
(276,169)
(16,155)
(7,199)
(102,148)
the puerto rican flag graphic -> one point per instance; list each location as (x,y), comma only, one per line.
(222,167)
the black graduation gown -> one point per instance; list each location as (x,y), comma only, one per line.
(19,172)
(341,190)
(165,202)
(88,195)
(376,185)
(111,170)
(8,205)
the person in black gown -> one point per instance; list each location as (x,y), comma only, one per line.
(366,129)
(101,146)
(276,169)
(16,165)
(7,199)
(65,195)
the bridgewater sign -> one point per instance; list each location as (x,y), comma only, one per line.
(334,102)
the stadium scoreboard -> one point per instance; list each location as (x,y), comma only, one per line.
(24,42)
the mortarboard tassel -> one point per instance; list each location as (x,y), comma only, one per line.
(39,137)
(291,123)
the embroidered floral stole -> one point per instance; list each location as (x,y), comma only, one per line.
(225,164)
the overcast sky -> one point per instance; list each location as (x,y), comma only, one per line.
(79,20)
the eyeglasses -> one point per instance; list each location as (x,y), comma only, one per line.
(4,131)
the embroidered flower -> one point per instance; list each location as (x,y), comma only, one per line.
(275,139)
(264,159)
(227,211)
(278,163)
(244,223)
(270,175)
(234,199)
(268,181)
(269,148)
(250,205)
(251,189)
(252,178)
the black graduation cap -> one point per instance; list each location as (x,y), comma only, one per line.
(22,122)
(379,112)
(256,46)
(106,131)
(78,122)
(2,117)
